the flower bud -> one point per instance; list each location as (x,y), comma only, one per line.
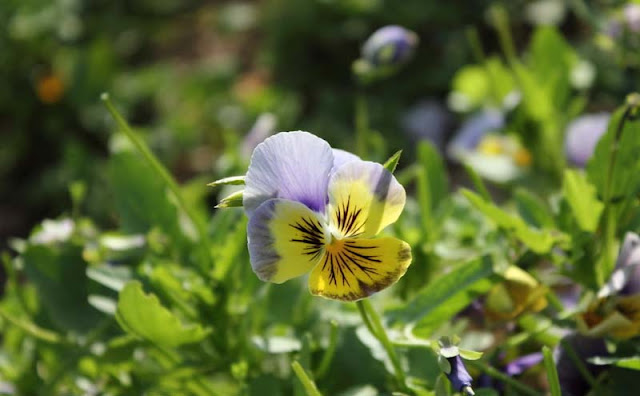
(389,46)
(458,375)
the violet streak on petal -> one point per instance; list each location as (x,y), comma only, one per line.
(458,376)
(583,135)
(289,165)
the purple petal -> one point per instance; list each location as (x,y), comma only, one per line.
(583,135)
(289,165)
(523,363)
(458,376)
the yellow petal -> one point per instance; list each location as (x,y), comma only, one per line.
(363,199)
(351,269)
(286,240)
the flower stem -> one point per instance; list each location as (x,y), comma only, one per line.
(370,316)
(309,386)
(552,373)
(164,174)
(361,124)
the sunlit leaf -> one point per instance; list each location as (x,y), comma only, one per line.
(582,199)
(142,315)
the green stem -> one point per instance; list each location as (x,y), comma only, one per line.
(155,164)
(499,375)
(361,124)
(579,364)
(608,220)
(552,373)
(501,23)
(330,352)
(309,386)
(365,319)
(367,310)
(32,329)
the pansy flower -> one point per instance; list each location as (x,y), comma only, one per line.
(493,155)
(315,209)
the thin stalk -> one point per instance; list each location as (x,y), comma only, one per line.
(365,319)
(381,334)
(309,386)
(609,221)
(361,124)
(330,352)
(32,329)
(552,373)
(499,375)
(164,174)
(579,364)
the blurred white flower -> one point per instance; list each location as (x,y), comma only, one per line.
(546,12)
(264,127)
(53,231)
(582,75)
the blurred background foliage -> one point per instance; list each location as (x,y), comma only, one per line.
(202,82)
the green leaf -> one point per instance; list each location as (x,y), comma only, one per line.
(58,274)
(538,241)
(533,210)
(432,185)
(581,196)
(142,315)
(632,362)
(141,198)
(445,296)
(469,354)
(624,179)
(233,200)
(232,180)
(392,162)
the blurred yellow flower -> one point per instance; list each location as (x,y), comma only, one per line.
(519,293)
(50,88)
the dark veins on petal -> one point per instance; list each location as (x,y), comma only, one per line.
(348,259)
(350,219)
(312,236)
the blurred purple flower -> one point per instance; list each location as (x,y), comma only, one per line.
(613,28)
(631,14)
(473,130)
(583,135)
(523,363)
(264,127)
(428,119)
(390,46)
(458,375)
(572,381)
